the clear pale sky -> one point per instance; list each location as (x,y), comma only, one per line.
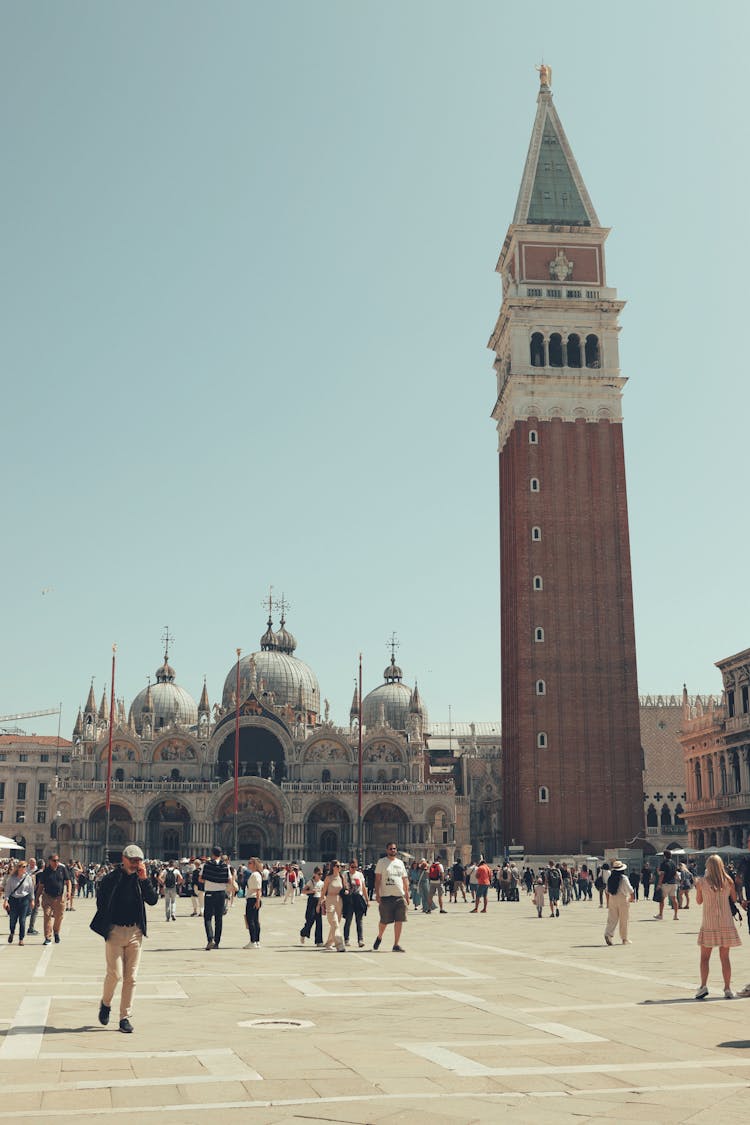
(248,280)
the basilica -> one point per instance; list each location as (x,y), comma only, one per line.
(173,767)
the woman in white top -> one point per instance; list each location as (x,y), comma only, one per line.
(18,899)
(620,894)
(253,894)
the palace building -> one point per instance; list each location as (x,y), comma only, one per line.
(572,760)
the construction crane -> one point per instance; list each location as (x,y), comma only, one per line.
(24,715)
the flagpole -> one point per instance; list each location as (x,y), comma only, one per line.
(109,759)
(235,837)
(359,782)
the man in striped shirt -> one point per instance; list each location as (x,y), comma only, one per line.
(215,879)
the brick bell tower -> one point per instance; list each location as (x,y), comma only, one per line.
(570,719)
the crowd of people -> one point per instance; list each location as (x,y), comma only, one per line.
(340,894)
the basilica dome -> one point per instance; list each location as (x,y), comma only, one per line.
(392,701)
(275,669)
(163,703)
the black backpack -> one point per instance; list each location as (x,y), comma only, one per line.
(613,883)
(170,879)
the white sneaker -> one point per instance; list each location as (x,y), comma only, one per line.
(248,946)
(256,945)
(728,994)
(744,991)
(702,992)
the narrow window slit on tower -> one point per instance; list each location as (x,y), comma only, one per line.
(533,437)
(536,534)
(541,687)
(539,634)
(534,484)
(538,583)
(541,740)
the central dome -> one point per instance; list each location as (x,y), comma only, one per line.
(275,669)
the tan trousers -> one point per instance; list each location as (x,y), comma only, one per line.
(53,910)
(123,952)
(618,913)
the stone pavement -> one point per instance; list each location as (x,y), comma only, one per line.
(482,1017)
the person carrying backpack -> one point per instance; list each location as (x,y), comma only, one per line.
(436,874)
(553,880)
(668,885)
(170,879)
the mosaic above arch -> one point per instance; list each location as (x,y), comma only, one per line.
(327,750)
(121,752)
(250,800)
(174,750)
(382,750)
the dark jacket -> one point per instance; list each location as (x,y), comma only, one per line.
(105,893)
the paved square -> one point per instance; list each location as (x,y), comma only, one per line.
(483,1016)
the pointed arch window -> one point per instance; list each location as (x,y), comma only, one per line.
(679,819)
(543,795)
(592,351)
(666,817)
(698,782)
(736,776)
(652,820)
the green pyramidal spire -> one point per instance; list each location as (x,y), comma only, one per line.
(552,189)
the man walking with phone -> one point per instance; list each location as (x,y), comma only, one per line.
(121,919)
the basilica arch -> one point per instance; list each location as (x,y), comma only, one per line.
(328,832)
(121,829)
(383,759)
(168,829)
(326,754)
(261,815)
(126,758)
(175,758)
(265,749)
(381,823)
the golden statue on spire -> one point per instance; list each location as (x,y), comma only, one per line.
(545,75)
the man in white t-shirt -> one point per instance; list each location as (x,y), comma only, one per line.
(391,895)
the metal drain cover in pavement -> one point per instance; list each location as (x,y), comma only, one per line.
(277,1025)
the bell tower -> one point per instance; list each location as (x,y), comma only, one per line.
(571,732)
